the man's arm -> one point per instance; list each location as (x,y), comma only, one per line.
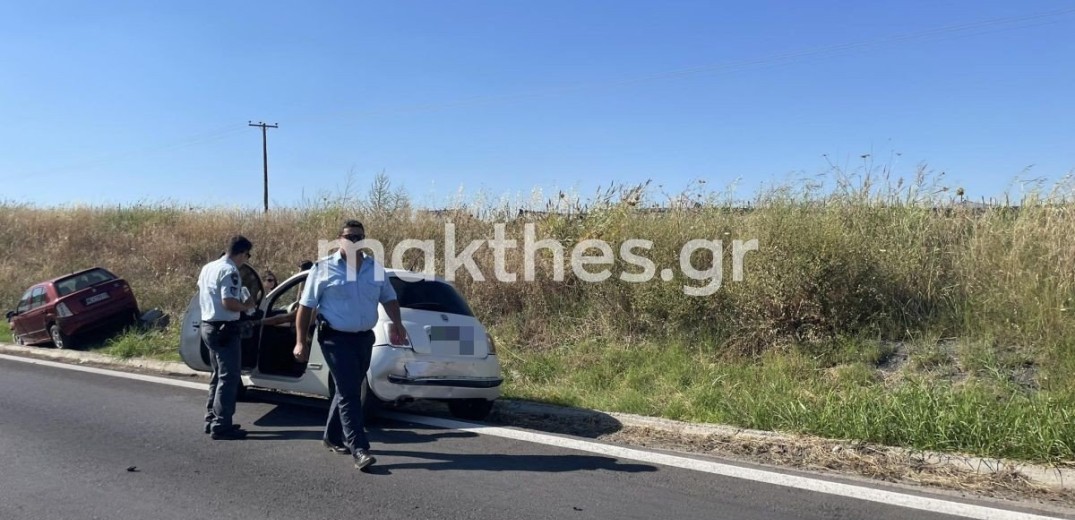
(392,308)
(307,302)
(397,332)
(235,306)
(302,325)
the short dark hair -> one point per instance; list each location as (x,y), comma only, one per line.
(352,224)
(239,244)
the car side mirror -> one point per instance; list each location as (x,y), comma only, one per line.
(11,314)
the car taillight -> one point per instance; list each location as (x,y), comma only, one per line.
(62,311)
(492,344)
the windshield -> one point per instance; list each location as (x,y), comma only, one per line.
(430,296)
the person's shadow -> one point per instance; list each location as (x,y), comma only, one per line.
(307,423)
(505,462)
(302,422)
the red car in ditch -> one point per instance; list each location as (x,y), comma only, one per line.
(66,309)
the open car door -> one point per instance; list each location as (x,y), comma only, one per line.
(191,348)
(276,365)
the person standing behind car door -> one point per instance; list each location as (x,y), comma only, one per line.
(344,290)
(219,296)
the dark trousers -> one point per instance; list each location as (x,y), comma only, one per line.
(348,358)
(225,356)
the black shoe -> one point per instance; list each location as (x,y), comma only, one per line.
(209,427)
(232,434)
(363,459)
(336,448)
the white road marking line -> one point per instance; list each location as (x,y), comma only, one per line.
(105,372)
(892,498)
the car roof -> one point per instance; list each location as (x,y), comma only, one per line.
(68,275)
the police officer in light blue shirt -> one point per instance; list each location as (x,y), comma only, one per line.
(220,298)
(346,288)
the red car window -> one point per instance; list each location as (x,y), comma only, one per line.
(24,302)
(37,299)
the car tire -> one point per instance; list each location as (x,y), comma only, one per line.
(17,339)
(470,409)
(59,339)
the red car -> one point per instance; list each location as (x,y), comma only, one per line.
(67,308)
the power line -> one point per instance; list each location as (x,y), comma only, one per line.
(212,135)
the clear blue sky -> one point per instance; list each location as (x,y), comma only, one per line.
(121,102)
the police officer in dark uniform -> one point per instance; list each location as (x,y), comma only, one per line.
(345,288)
(220,297)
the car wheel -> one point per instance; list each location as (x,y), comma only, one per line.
(470,409)
(60,339)
(17,339)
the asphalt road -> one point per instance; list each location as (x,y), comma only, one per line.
(67,440)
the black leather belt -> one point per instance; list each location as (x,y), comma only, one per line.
(323,327)
(337,331)
(220,323)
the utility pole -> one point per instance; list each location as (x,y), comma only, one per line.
(265,155)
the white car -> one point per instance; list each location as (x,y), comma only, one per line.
(450,357)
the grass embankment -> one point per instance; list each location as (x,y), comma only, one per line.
(864,314)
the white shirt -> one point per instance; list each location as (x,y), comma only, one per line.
(349,305)
(219,279)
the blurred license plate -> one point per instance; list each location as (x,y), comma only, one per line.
(453,341)
(96,298)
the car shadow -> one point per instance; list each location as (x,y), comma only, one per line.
(505,462)
(577,422)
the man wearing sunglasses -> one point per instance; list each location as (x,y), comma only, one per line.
(220,296)
(344,290)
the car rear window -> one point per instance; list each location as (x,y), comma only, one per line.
(81,281)
(430,296)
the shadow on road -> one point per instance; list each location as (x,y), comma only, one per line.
(305,419)
(504,462)
(547,418)
(300,411)
(415,435)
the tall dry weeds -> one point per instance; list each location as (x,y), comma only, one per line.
(870,258)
